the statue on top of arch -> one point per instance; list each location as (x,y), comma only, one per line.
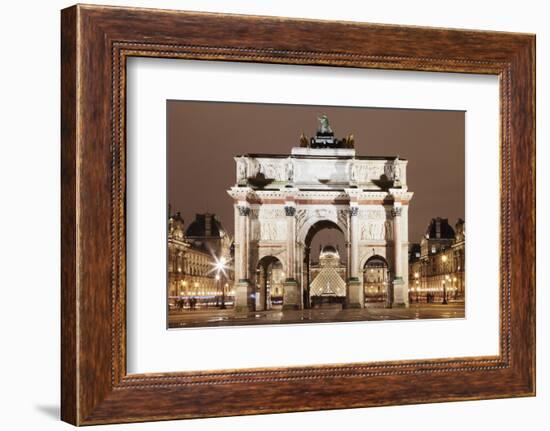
(324,138)
(324,126)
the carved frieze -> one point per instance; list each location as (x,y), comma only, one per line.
(343,218)
(272,231)
(376,230)
(373,214)
(365,172)
(301,217)
(324,213)
(270,213)
(273,170)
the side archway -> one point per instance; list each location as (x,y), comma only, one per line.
(376,280)
(269,283)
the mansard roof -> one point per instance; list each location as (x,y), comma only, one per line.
(439,228)
(205,225)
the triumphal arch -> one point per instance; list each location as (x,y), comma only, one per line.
(282,200)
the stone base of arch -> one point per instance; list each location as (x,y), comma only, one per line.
(400,293)
(244,296)
(356,296)
(291,295)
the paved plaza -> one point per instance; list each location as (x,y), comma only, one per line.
(217,317)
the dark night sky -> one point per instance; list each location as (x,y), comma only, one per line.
(203,137)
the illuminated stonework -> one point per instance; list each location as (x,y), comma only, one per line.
(280,201)
(192,257)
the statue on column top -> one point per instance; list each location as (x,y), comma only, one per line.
(353,173)
(290,170)
(396,170)
(304,141)
(241,169)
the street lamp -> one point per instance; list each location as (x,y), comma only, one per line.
(220,267)
(222,306)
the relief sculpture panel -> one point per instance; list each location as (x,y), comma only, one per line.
(376,230)
(271,230)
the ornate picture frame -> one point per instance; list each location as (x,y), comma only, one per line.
(96,41)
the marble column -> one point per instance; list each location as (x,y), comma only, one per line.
(354,241)
(290,212)
(261,300)
(307,281)
(399,293)
(244,294)
(356,297)
(291,293)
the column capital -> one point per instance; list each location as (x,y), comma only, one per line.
(353,210)
(290,210)
(396,211)
(244,210)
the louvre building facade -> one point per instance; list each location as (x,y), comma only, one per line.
(437,264)
(192,257)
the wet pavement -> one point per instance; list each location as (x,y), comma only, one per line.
(217,317)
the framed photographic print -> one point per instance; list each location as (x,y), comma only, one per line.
(324,214)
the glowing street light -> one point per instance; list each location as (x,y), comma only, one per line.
(220,266)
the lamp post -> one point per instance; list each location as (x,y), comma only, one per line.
(222,305)
(220,267)
(416,276)
(444,260)
(455,288)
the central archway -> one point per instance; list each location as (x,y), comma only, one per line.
(335,291)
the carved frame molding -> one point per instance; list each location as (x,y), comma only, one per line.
(96,42)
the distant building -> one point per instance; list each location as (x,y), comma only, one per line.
(414,251)
(436,265)
(194,258)
(207,232)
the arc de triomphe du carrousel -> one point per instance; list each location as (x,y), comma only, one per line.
(282,200)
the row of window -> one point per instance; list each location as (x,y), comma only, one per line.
(191,263)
